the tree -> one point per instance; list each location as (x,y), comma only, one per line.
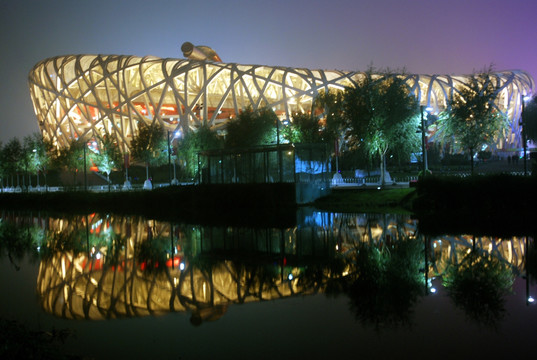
(193,142)
(252,128)
(381,116)
(150,147)
(107,156)
(37,155)
(72,158)
(12,153)
(306,128)
(472,120)
(331,104)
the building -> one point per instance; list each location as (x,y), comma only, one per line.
(82,96)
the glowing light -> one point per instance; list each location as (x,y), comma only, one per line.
(182,266)
(290,277)
(432,290)
(531,299)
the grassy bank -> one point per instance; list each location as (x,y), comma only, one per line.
(368,201)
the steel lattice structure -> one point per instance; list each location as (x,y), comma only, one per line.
(84,96)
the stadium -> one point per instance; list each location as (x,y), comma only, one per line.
(86,96)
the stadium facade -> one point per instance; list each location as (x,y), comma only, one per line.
(85,96)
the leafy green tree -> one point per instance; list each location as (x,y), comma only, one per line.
(150,146)
(472,119)
(306,128)
(381,117)
(42,156)
(12,155)
(251,128)
(193,142)
(37,156)
(331,104)
(71,158)
(107,156)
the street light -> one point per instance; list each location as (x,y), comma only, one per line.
(36,161)
(522,123)
(423,138)
(176,134)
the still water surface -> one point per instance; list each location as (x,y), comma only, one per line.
(334,286)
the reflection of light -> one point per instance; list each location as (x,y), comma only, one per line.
(531,299)
(182,266)
(98,255)
(290,277)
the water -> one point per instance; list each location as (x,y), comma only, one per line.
(203,293)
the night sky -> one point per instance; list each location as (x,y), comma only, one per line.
(422,36)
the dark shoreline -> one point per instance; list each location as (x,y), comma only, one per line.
(257,205)
(497,205)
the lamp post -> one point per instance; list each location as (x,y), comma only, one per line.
(522,123)
(169,160)
(85,174)
(173,181)
(423,139)
(37,172)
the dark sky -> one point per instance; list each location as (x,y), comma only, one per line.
(421,36)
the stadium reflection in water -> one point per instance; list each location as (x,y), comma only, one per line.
(97,267)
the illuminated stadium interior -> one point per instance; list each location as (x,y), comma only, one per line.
(85,96)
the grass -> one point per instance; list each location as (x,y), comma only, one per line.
(368,200)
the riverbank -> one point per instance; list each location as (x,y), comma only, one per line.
(492,204)
(499,205)
(394,201)
(263,205)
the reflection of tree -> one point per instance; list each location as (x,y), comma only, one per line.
(478,285)
(152,253)
(325,276)
(17,240)
(386,282)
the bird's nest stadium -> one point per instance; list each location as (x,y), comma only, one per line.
(85,96)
